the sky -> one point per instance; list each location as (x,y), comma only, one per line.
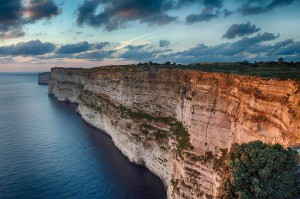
(36,35)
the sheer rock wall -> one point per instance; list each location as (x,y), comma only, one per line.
(180,123)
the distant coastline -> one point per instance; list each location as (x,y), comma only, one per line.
(44,78)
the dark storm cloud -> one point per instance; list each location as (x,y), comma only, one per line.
(290,49)
(73,48)
(80,47)
(13,33)
(256,46)
(81,50)
(257,39)
(210,11)
(116,14)
(227,12)
(205,3)
(164,43)
(38,9)
(40,50)
(135,48)
(207,14)
(14,14)
(31,48)
(10,12)
(251,7)
(10,15)
(212,3)
(268,50)
(100,45)
(235,51)
(96,55)
(240,30)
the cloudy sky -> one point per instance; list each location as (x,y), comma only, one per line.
(36,35)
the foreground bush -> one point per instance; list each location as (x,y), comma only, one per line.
(258,170)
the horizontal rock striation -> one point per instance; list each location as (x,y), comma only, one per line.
(44,78)
(180,123)
(67,84)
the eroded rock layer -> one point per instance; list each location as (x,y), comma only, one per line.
(180,123)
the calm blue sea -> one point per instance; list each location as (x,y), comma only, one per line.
(47,151)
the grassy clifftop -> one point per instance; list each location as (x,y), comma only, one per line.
(265,70)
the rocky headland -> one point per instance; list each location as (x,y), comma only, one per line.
(181,123)
(44,78)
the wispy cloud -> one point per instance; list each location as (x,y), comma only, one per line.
(131,41)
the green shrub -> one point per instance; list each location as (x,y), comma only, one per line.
(182,136)
(128,125)
(258,170)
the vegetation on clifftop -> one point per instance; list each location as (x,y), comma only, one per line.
(272,69)
(258,170)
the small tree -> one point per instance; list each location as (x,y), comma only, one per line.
(245,62)
(258,170)
(281,60)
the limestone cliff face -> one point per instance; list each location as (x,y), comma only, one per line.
(44,78)
(67,84)
(180,123)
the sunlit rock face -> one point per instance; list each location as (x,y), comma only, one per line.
(180,123)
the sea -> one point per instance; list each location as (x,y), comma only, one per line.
(47,151)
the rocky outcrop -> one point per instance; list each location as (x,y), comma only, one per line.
(67,84)
(44,78)
(180,123)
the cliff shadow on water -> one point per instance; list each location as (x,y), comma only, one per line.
(119,177)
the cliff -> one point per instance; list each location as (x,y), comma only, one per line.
(44,78)
(180,123)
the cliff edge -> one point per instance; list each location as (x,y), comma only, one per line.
(181,123)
